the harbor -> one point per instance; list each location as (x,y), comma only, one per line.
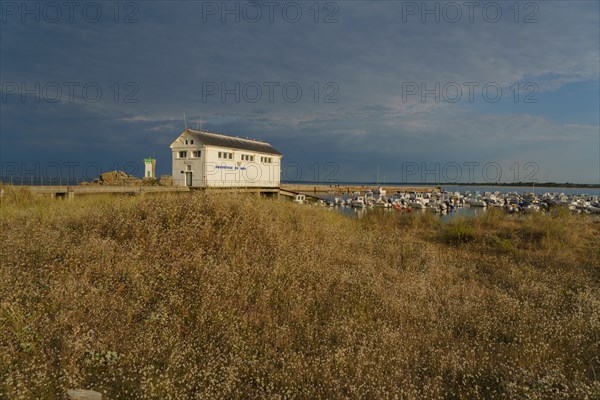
(442,201)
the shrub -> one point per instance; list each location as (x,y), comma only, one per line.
(459,231)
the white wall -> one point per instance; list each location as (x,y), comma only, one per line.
(180,166)
(236,172)
(210,170)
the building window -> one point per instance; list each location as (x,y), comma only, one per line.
(225,155)
(186,142)
(188,167)
(247,157)
(266,160)
(183,154)
(196,153)
(192,141)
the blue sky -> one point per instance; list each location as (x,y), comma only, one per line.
(364,57)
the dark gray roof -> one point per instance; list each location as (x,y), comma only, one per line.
(217,139)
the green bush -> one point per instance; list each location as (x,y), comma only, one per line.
(459,232)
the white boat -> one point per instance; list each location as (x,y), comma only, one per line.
(416,203)
(477,202)
(594,208)
(531,208)
(381,203)
(300,199)
(379,193)
(358,202)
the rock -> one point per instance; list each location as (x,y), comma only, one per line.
(149,181)
(166,180)
(118,178)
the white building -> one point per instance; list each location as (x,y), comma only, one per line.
(149,168)
(202,159)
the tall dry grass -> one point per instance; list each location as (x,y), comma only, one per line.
(229,296)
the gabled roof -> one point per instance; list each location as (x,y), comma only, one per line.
(234,142)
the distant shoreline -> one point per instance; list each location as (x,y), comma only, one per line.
(513,184)
(521,184)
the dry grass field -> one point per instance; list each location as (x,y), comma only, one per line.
(196,296)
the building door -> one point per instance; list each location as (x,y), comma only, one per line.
(188,179)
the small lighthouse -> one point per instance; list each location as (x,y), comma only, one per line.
(149,167)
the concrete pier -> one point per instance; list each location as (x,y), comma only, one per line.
(69,192)
(312,191)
